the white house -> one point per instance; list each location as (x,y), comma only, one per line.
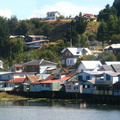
(70,55)
(89,66)
(74,86)
(77,86)
(52,15)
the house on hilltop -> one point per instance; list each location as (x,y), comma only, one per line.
(52,15)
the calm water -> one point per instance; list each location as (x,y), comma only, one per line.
(57,111)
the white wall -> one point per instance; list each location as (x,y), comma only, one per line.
(71,61)
(80,68)
(71,87)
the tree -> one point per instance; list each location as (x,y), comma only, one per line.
(115,39)
(112,25)
(83,41)
(13,25)
(23,28)
(116,4)
(102,34)
(81,25)
(4,37)
(106,56)
(105,13)
(89,57)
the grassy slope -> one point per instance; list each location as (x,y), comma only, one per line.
(6,96)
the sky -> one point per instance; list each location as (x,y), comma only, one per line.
(26,9)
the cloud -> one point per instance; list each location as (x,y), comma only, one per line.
(5,13)
(66,9)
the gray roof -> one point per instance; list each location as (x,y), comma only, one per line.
(116,67)
(57,70)
(107,68)
(33,62)
(39,62)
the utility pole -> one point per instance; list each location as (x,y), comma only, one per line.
(70,37)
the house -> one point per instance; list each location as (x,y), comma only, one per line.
(88,16)
(17,68)
(54,82)
(52,15)
(5,76)
(88,87)
(15,84)
(111,77)
(35,41)
(75,86)
(89,66)
(28,80)
(114,48)
(38,66)
(70,55)
(90,75)
(102,88)
(80,86)
(31,38)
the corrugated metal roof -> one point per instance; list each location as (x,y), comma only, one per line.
(33,78)
(107,68)
(16,80)
(116,67)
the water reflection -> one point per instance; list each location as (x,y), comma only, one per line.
(60,104)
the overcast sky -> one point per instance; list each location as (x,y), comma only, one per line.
(25,9)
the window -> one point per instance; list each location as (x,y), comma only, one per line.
(68,86)
(80,77)
(17,68)
(87,77)
(47,85)
(88,86)
(107,77)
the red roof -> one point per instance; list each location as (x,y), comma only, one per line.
(16,80)
(51,81)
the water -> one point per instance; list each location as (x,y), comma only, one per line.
(57,111)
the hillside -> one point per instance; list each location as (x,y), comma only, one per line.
(61,26)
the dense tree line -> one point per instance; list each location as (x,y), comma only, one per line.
(74,32)
(109,28)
